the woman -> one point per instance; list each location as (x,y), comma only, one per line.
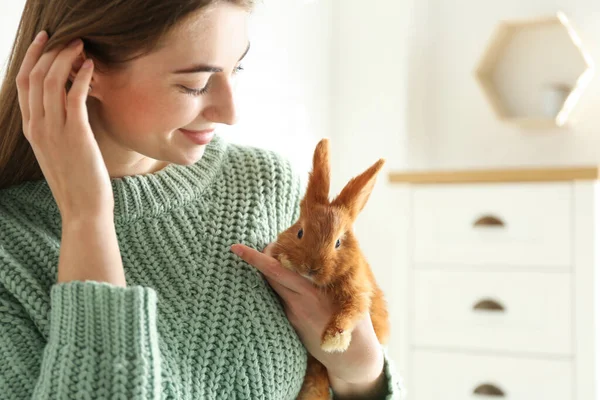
(119,206)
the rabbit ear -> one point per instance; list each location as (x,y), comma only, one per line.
(355,194)
(317,190)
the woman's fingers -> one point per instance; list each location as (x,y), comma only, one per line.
(55,81)
(36,84)
(76,100)
(271,268)
(285,293)
(269,249)
(32,56)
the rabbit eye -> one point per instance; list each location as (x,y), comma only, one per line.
(338,243)
(300,233)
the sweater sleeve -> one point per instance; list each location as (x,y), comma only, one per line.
(395,384)
(102,344)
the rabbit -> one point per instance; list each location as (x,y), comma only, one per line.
(322,247)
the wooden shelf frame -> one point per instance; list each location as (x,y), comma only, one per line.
(496,47)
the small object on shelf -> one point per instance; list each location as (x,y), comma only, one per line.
(554,97)
(520,60)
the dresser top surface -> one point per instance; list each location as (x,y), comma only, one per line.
(525,174)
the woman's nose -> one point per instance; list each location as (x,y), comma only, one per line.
(222,105)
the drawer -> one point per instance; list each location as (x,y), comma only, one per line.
(528,312)
(489,225)
(445,376)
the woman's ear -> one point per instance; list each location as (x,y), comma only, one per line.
(77,66)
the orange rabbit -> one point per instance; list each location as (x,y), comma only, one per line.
(322,247)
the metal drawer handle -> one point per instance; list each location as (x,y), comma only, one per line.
(489,305)
(489,221)
(488,390)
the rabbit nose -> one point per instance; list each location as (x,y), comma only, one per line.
(309,271)
(313,270)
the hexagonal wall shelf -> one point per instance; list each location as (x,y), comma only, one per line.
(534,71)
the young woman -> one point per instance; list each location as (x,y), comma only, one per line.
(119,206)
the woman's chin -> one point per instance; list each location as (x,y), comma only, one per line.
(191,156)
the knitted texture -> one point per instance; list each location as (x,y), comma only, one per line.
(195,321)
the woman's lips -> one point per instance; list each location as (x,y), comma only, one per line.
(199,137)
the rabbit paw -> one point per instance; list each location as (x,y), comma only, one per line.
(336,340)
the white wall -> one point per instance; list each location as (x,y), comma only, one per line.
(284,92)
(460,124)
(10,14)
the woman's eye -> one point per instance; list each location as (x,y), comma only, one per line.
(194,92)
(300,233)
(204,90)
(238,69)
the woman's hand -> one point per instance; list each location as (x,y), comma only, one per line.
(56,125)
(308,310)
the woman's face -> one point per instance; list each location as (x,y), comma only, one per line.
(138,114)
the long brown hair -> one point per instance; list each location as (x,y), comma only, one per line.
(113,31)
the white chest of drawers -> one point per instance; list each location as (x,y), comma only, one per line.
(503,285)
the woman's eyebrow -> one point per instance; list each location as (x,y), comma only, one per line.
(207,68)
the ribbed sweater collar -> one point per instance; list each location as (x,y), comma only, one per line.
(143,195)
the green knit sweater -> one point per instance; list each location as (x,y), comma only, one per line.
(195,322)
